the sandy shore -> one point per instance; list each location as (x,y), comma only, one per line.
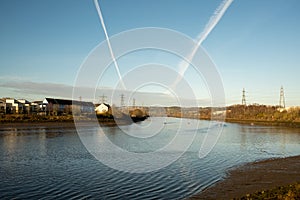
(254,177)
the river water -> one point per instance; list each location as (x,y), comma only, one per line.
(49,162)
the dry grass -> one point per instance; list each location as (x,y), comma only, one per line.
(288,192)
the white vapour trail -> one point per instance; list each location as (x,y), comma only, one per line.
(213,21)
(108,43)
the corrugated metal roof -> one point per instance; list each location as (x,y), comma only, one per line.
(68,102)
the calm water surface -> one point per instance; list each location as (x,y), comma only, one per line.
(52,163)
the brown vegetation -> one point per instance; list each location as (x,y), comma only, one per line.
(34,118)
(263,112)
(287,192)
(251,114)
(264,115)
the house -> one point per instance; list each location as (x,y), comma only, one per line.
(36,107)
(2,106)
(26,106)
(102,108)
(13,106)
(53,106)
(219,113)
(83,107)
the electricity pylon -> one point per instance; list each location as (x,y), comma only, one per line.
(282,99)
(122,100)
(244,98)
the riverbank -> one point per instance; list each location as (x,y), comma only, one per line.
(56,124)
(123,120)
(254,177)
(264,122)
(65,121)
(252,122)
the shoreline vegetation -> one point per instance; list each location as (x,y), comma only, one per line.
(252,122)
(23,119)
(248,115)
(267,179)
(104,119)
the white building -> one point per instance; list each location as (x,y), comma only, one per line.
(2,106)
(219,113)
(13,106)
(102,108)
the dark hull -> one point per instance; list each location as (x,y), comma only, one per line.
(139,119)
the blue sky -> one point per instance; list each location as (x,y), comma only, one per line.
(254,46)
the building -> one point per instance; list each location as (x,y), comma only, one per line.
(25,106)
(51,106)
(219,113)
(102,108)
(83,107)
(2,106)
(36,107)
(13,106)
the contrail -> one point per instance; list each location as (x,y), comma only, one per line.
(108,42)
(213,21)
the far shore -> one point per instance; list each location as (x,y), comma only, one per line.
(60,121)
(35,120)
(59,124)
(253,177)
(265,123)
(253,122)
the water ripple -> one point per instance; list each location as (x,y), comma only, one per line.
(52,163)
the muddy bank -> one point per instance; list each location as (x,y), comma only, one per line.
(254,177)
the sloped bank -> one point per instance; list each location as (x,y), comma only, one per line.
(255,177)
(32,120)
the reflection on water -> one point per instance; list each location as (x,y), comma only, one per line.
(271,140)
(50,162)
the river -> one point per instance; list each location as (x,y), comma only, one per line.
(49,162)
